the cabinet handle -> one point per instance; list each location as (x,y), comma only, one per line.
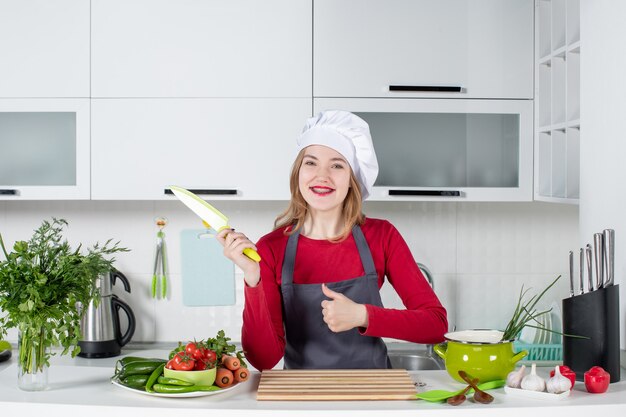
(8,192)
(427,88)
(212,191)
(438,193)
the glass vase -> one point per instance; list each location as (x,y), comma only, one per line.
(32,361)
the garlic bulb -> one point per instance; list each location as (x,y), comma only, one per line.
(533,382)
(514,378)
(558,383)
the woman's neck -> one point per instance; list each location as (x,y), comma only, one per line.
(321,225)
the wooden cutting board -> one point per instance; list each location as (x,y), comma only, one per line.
(335,385)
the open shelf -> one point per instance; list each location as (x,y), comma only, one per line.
(557,101)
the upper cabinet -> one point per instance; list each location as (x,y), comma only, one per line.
(224,148)
(201,48)
(44,49)
(557,104)
(44,149)
(423,48)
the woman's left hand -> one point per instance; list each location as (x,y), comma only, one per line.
(341,313)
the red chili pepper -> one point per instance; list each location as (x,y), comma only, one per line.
(597,380)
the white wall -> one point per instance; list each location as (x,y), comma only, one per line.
(480,254)
(602,139)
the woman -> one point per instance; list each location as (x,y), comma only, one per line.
(314,297)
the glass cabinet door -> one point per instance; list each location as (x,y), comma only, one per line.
(44,149)
(475,150)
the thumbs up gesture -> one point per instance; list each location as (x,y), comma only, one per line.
(341,313)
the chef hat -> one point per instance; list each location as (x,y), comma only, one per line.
(349,135)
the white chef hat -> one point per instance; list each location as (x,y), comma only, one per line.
(349,135)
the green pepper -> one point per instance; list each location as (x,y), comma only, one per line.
(135,381)
(173,381)
(154,376)
(177,389)
(139,368)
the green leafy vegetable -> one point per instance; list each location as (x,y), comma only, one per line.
(41,282)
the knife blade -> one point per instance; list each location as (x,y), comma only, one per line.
(598,254)
(581,273)
(209,214)
(571,273)
(589,268)
(609,256)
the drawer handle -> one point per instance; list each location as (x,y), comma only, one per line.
(437,193)
(427,88)
(8,192)
(211,191)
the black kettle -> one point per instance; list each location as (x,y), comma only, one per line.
(100,324)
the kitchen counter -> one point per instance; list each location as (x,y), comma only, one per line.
(79,385)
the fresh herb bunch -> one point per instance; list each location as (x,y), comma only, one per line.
(41,282)
(525,314)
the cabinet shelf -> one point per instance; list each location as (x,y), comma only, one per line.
(557,101)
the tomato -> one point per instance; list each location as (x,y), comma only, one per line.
(170,364)
(200,366)
(182,362)
(567,373)
(210,356)
(597,380)
(192,350)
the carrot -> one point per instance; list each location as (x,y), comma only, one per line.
(231,362)
(241,374)
(224,378)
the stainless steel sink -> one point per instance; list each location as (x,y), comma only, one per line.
(421,360)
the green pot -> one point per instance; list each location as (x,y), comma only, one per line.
(480,353)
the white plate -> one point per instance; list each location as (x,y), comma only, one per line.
(518,392)
(181,395)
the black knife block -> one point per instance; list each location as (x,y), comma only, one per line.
(595,315)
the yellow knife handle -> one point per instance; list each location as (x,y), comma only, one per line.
(252,254)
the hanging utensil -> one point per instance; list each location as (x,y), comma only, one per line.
(159,275)
(581,273)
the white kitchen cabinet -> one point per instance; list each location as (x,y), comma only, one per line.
(44,149)
(423,47)
(44,49)
(231,148)
(447,150)
(557,108)
(201,48)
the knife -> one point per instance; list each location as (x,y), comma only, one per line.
(589,268)
(598,253)
(571,273)
(609,256)
(209,214)
(582,271)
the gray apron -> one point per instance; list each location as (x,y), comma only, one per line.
(310,344)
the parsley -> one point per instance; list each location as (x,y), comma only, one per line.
(41,282)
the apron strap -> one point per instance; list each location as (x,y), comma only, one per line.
(289,261)
(364,251)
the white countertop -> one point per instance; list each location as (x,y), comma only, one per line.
(81,385)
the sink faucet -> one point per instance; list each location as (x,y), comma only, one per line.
(427,274)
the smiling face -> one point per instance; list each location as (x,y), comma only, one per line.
(324,179)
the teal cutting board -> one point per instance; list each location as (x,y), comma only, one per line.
(208,276)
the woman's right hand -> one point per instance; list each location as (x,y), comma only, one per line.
(234,243)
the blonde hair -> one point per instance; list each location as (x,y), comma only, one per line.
(297,210)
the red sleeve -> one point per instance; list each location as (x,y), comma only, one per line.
(425,319)
(263,334)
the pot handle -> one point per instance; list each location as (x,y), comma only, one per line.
(441,350)
(519,356)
